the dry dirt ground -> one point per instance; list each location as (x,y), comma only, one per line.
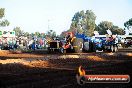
(41,70)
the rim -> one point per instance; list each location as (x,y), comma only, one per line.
(81,45)
(112,48)
(115,49)
(62,50)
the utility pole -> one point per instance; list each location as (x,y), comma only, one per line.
(48,24)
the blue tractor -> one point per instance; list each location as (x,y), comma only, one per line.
(93,44)
(111,44)
(107,43)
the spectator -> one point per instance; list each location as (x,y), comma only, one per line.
(33,46)
(15,46)
(30,47)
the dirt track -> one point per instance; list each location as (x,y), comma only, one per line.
(58,71)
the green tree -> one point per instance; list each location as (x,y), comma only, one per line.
(117,30)
(83,22)
(18,32)
(32,35)
(51,33)
(4,22)
(26,34)
(37,34)
(43,35)
(105,25)
(128,25)
(2,12)
(90,22)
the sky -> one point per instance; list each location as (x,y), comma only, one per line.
(44,15)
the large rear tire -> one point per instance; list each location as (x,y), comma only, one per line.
(78,45)
(86,46)
(63,51)
(49,50)
(112,48)
(92,47)
(115,48)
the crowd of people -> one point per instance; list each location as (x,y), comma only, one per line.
(24,44)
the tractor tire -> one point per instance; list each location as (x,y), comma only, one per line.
(115,48)
(78,45)
(49,50)
(92,47)
(112,48)
(86,46)
(63,51)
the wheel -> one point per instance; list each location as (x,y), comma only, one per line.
(89,46)
(62,50)
(49,50)
(78,45)
(86,46)
(111,48)
(115,48)
(92,47)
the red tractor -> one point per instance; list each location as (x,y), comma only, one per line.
(73,44)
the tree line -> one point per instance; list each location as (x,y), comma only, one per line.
(82,22)
(20,33)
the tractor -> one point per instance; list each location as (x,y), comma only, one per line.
(77,43)
(110,44)
(54,45)
(106,43)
